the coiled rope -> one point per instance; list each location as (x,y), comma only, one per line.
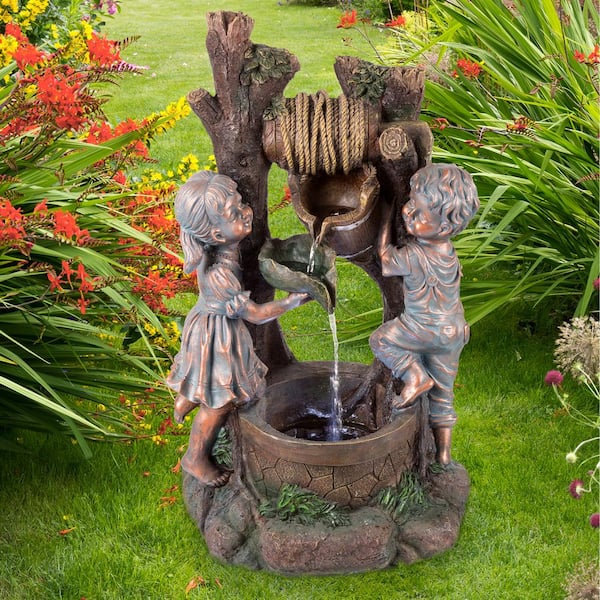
(323,134)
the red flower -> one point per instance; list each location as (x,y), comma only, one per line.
(553,378)
(596,283)
(120,178)
(99,132)
(14,30)
(11,223)
(469,68)
(41,208)
(576,488)
(593,58)
(28,55)
(398,21)
(9,213)
(347,20)
(67,271)
(103,51)
(82,303)
(55,281)
(66,224)
(595,520)
(86,285)
(62,98)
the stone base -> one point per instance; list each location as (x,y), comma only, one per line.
(236,534)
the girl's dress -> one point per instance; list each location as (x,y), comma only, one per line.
(216,363)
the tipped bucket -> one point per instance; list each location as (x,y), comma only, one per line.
(339,210)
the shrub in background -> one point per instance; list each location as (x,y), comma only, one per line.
(51,21)
(515,102)
(75,266)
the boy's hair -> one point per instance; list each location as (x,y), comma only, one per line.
(449,190)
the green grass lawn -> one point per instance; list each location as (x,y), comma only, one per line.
(115,527)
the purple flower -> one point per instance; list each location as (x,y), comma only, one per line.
(595,520)
(553,378)
(576,488)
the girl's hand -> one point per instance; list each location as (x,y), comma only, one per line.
(298,299)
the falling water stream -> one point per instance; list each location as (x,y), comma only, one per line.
(334,432)
(335,427)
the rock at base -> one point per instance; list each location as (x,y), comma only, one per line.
(366,544)
(236,534)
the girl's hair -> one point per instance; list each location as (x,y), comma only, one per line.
(450,191)
(200,197)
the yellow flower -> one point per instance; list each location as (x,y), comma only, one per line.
(28,14)
(187,165)
(8,46)
(173,112)
(86,30)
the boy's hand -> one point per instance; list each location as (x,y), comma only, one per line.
(387,222)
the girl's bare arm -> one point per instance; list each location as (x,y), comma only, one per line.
(263,313)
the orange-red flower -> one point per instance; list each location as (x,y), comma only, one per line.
(469,68)
(82,303)
(593,58)
(41,208)
(14,30)
(12,223)
(55,281)
(67,271)
(103,51)
(65,224)
(28,55)
(347,20)
(398,21)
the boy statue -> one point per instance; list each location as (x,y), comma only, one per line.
(423,344)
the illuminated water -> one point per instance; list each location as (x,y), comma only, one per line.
(334,431)
(335,427)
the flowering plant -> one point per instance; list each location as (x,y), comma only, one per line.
(47,22)
(512,96)
(71,257)
(577,351)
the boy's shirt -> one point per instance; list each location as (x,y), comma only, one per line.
(431,278)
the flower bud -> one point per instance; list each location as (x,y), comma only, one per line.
(571,457)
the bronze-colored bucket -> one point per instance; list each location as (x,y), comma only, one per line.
(339,210)
(349,472)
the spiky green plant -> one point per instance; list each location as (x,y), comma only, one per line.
(65,288)
(515,102)
(295,503)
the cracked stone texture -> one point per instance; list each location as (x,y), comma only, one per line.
(236,534)
(353,485)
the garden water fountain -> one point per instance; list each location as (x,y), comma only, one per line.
(344,157)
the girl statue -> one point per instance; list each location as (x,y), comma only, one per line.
(216,368)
